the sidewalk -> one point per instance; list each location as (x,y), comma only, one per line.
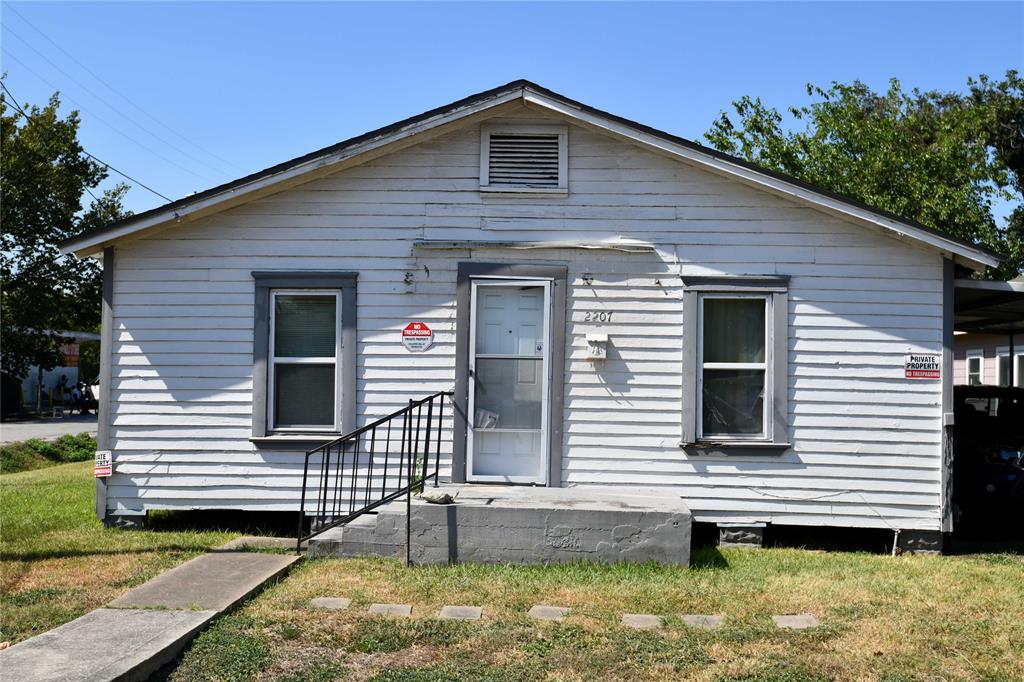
(146,628)
(47,428)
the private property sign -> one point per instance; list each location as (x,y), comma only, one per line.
(922,366)
(417,337)
(104,464)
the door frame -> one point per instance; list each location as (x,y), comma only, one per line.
(543,470)
(557,275)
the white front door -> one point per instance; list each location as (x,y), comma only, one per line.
(509,360)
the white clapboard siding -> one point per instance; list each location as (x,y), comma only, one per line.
(866,442)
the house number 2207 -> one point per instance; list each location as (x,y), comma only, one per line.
(597,316)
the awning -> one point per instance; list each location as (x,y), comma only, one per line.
(989,307)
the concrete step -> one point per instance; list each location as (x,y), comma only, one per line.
(377,534)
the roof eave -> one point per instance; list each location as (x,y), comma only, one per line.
(188,208)
(976,258)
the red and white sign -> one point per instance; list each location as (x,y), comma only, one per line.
(922,366)
(417,337)
(104,464)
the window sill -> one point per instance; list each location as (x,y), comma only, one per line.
(313,439)
(708,448)
(495,191)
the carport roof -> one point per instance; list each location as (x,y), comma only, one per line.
(989,307)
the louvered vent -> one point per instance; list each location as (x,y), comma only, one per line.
(523,160)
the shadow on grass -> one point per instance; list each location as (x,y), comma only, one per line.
(708,558)
(69,553)
(161,526)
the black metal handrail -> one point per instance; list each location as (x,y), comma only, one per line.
(360,471)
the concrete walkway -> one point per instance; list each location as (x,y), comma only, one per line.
(47,429)
(147,627)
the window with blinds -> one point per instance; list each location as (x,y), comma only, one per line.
(523,158)
(303,371)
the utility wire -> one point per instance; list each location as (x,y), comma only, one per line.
(28,117)
(114,90)
(117,111)
(105,122)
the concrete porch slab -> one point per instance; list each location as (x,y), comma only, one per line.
(106,644)
(526,525)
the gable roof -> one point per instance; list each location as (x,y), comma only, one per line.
(378,141)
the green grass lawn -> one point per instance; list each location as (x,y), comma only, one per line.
(57,561)
(883,618)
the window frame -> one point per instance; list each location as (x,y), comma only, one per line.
(1018,375)
(267,284)
(1003,355)
(979,355)
(775,437)
(488,129)
(273,361)
(763,366)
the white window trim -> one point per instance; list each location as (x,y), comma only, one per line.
(765,366)
(1003,353)
(978,353)
(489,129)
(273,361)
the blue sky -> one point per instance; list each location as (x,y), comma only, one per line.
(207,92)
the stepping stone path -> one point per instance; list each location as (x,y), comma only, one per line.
(800,621)
(541,612)
(462,612)
(334,603)
(705,622)
(641,621)
(398,610)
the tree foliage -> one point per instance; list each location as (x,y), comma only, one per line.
(943,159)
(43,178)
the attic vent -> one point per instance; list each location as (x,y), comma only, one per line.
(525,159)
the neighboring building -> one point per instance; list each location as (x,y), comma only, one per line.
(986,359)
(755,329)
(50,380)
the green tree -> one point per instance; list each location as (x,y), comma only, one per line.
(942,159)
(44,176)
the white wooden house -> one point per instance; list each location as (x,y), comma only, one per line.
(641,312)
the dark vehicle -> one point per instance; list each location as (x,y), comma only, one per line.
(988,455)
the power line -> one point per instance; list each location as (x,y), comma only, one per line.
(104,121)
(117,92)
(111,107)
(28,117)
